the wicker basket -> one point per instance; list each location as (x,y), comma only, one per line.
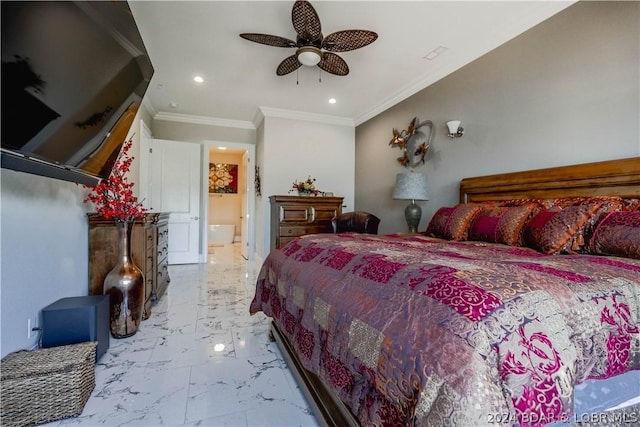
(47,384)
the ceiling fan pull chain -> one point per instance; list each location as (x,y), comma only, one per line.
(297,82)
(319,75)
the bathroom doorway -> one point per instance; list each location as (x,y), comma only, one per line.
(229,197)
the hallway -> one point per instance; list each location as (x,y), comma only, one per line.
(199,360)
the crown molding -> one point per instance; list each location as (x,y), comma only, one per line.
(203,120)
(410,90)
(258,118)
(299,115)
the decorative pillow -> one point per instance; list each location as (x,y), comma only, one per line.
(541,203)
(565,202)
(631,205)
(501,224)
(566,230)
(485,225)
(452,223)
(438,222)
(618,234)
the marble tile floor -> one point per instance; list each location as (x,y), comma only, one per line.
(199,360)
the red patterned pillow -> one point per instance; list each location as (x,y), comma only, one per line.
(566,230)
(452,223)
(631,205)
(501,224)
(618,234)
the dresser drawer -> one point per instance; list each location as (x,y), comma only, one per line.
(323,214)
(163,272)
(302,231)
(163,250)
(284,240)
(162,277)
(162,234)
(298,214)
(148,238)
(292,231)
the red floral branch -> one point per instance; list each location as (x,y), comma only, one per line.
(113,197)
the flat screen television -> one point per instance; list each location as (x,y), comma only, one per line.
(73,77)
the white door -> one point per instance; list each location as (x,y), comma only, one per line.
(175,172)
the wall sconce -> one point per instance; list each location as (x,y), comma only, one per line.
(455,131)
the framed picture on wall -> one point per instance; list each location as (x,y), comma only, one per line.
(223,178)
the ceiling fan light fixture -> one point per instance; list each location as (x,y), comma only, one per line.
(309,55)
(311,47)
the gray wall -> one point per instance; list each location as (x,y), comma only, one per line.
(564,92)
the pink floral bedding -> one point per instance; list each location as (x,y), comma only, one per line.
(414,330)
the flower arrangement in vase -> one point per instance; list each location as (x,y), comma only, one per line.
(114,199)
(305,188)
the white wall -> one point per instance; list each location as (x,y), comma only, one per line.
(262,201)
(296,149)
(44,247)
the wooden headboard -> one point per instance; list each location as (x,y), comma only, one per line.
(608,178)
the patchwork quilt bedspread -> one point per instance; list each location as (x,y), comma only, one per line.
(414,330)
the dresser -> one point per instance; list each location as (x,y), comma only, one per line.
(161,263)
(293,216)
(149,250)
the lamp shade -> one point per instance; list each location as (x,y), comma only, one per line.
(411,186)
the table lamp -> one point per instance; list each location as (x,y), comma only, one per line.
(411,186)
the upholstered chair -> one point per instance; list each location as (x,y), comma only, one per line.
(357,222)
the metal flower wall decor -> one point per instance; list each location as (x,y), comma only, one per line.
(413,142)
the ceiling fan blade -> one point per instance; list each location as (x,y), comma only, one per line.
(332,63)
(305,21)
(268,39)
(288,65)
(343,41)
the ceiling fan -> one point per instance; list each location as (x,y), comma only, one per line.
(311,47)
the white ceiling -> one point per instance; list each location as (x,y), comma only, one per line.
(188,38)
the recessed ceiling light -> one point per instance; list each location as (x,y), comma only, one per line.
(198,79)
(332,101)
(222,148)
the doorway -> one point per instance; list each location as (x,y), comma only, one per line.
(229,197)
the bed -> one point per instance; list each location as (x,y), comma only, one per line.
(514,307)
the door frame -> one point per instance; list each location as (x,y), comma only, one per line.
(251,195)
